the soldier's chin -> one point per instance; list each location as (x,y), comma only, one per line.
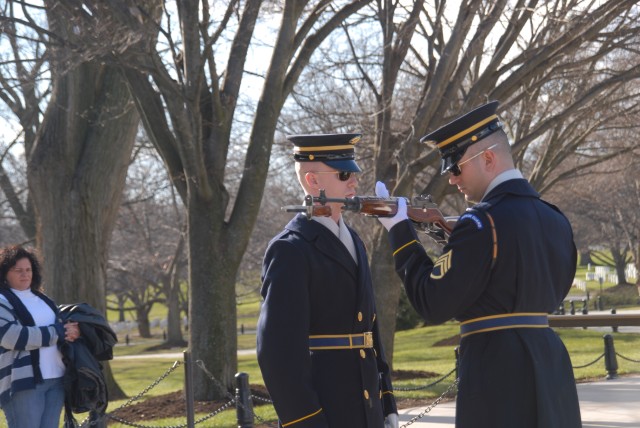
(470,199)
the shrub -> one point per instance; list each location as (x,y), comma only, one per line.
(620,295)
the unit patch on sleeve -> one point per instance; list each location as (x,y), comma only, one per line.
(442,265)
(474,218)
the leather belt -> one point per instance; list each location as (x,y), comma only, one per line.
(503,321)
(341,341)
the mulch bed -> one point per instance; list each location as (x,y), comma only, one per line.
(173,404)
(450,341)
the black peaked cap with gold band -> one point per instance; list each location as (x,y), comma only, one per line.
(335,150)
(455,137)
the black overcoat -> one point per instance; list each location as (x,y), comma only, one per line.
(524,263)
(85,387)
(312,286)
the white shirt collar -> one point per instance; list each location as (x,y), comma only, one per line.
(22,293)
(509,174)
(329,224)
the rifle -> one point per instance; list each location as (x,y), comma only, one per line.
(423,212)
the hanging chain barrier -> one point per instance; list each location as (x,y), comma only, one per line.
(175,365)
(244,407)
(627,358)
(422,414)
(589,364)
(418,388)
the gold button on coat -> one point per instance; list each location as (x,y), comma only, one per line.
(366,394)
(363,354)
(359,316)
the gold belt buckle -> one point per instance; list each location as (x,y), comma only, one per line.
(368,339)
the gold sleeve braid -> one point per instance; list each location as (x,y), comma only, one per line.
(302,418)
(404,246)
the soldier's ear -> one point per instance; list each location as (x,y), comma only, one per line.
(490,159)
(311,179)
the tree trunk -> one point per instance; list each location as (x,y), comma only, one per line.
(622,275)
(171,288)
(212,302)
(387,287)
(174,326)
(585,258)
(77,172)
(636,258)
(619,257)
(142,318)
(121,300)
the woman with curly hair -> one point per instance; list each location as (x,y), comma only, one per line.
(31,366)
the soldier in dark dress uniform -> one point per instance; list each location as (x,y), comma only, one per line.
(318,343)
(509,261)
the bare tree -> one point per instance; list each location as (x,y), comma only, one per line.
(15,193)
(281,189)
(24,91)
(563,71)
(77,149)
(148,257)
(605,207)
(188,102)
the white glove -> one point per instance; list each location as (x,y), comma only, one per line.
(389,222)
(391,421)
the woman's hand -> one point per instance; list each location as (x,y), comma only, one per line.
(71,331)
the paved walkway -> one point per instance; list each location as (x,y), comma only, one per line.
(171,355)
(606,404)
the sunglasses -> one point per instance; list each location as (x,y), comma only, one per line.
(455,168)
(342,175)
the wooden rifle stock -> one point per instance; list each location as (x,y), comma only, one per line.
(423,211)
(309,209)
(426,212)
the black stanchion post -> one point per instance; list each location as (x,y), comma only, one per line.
(614,327)
(188,388)
(599,302)
(572,305)
(561,308)
(457,352)
(244,405)
(610,360)
(585,306)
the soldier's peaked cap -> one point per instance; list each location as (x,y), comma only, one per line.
(455,137)
(335,150)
